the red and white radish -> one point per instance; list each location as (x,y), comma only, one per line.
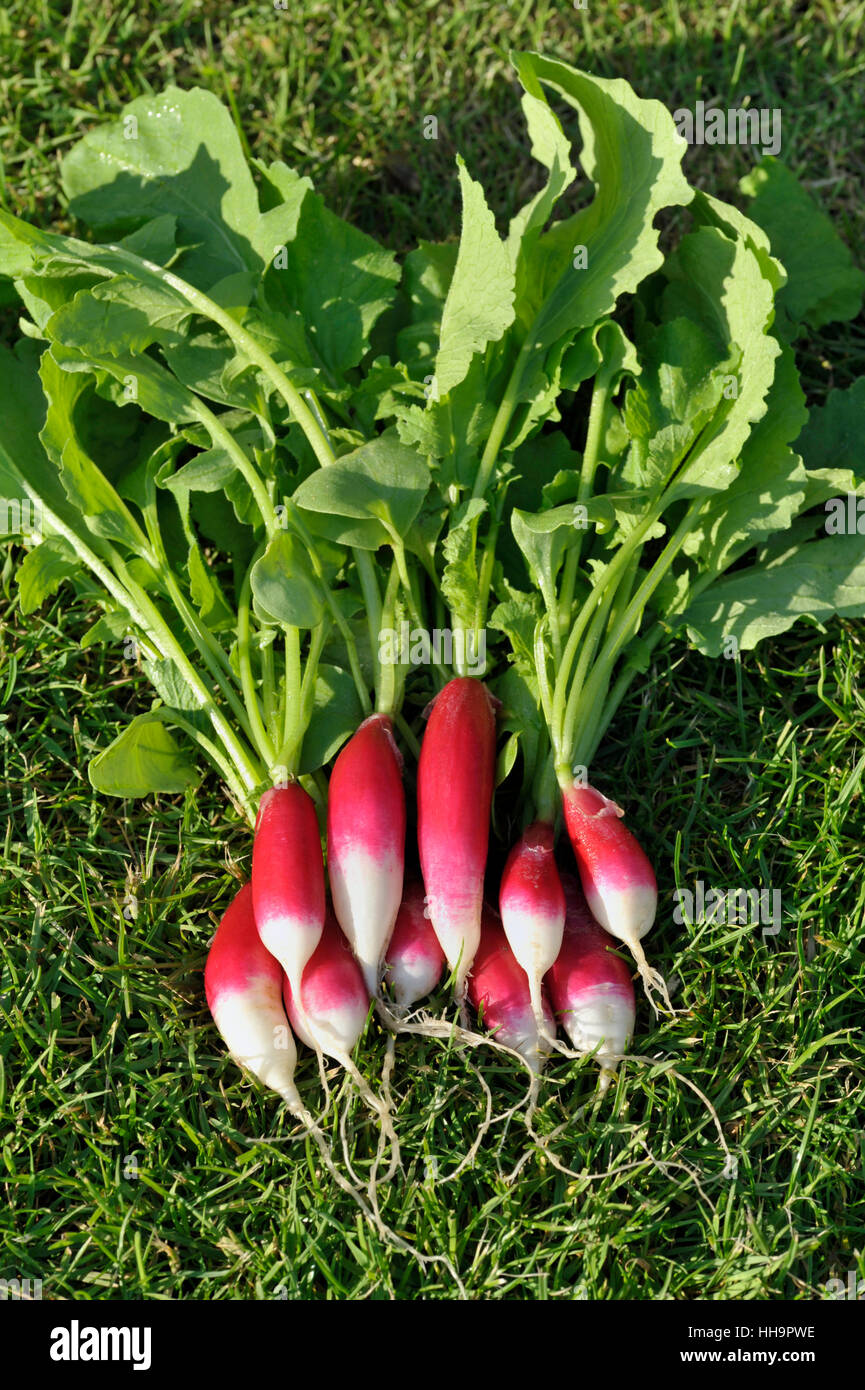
(456,774)
(333,996)
(617,878)
(498,987)
(243,984)
(288,877)
(333,1007)
(590,987)
(366,841)
(532,907)
(415,958)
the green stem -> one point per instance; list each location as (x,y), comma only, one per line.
(545,791)
(335,610)
(609,609)
(210,651)
(405,580)
(317,639)
(211,751)
(171,649)
(414,613)
(567,587)
(588,468)
(587,652)
(631,618)
(605,710)
(611,579)
(405,729)
(262,739)
(504,414)
(147,618)
(268,691)
(222,437)
(292,728)
(485,578)
(372,600)
(594,435)
(386,695)
(543,677)
(253,350)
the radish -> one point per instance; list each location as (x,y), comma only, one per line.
(454,799)
(498,985)
(414,956)
(288,877)
(243,984)
(333,997)
(590,986)
(617,878)
(244,987)
(532,906)
(330,1012)
(366,842)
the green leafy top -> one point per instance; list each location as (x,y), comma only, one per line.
(269,445)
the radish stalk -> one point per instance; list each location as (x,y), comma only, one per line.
(532,906)
(366,842)
(414,957)
(454,795)
(498,986)
(288,877)
(617,878)
(590,986)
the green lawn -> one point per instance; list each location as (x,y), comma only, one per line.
(727,1162)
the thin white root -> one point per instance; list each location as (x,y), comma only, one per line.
(378,1106)
(544,1144)
(325,1084)
(300,1112)
(545,1033)
(653,980)
(386,1074)
(369,1208)
(389,1016)
(442,1028)
(387,1070)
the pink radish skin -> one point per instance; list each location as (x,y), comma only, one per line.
(499,985)
(590,987)
(532,906)
(366,842)
(288,877)
(454,796)
(617,878)
(334,1006)
(243,984)
(333,996)
(244,987)
(415,959)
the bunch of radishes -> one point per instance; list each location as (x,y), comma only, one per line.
(284,949)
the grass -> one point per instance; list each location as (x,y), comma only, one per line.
(136,1161)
